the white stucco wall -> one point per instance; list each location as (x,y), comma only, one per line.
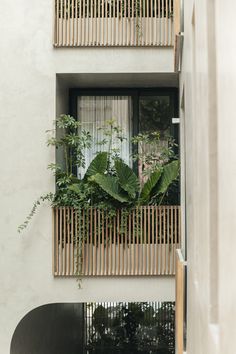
(28,65)
(209,80)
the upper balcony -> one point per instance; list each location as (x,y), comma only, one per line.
(120,23)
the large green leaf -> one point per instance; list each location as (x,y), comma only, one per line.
(127,178)
(169,174)
(75,188)
(110,185)
(98,165)
(149,186)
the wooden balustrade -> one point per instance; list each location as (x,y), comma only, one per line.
(179,302)
(114,23)
(92,242)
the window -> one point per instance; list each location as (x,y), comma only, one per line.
(135,111)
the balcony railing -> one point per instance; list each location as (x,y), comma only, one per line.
(114,23)
(92,242)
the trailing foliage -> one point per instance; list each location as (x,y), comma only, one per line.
(109,183)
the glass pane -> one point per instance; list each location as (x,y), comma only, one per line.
(155,114)
(94,112)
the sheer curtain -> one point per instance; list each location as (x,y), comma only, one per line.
(93,112)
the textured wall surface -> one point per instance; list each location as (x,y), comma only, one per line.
(28,66)
(208,83)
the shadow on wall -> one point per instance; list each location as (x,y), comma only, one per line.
(50,329)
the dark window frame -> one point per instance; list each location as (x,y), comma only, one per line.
(135,93)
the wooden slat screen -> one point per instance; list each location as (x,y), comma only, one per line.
(179,303)
(114,23)
(91,242)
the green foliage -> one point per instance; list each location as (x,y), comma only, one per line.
(108,183)
(132,328)
(149,185)
(127,178)
(170,173)
(98,165)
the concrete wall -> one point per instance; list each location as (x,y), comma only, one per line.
(29,65)
(208,81)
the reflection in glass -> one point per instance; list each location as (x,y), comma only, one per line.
(130,328)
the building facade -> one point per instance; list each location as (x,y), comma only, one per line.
(50,49)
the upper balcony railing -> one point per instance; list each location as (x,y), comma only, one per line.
(81,23)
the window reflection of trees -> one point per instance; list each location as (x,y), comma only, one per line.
(130,328)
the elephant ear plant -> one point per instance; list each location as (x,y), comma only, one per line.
(108,183)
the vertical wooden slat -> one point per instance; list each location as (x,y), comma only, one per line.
(143,22)
(132,23)
(141,242)
(140,22)
(98,26)
(54,232)
(133,242)
(69,241)
(165,239)
(83,22)
(79,23)
(162,22)
(106,244)
(145,240)
(102,246)
(114,245)
(64,240)
(148,24)
(56,22)
(60,245)
(65,24)
(86,238)
(136,245)
(156,241)
(76,269)
(160,240)
(172,240)
(76,24)
(179,307)
(166,23)
(91,242)
(106,23)
(121,22)
(168,241)
(159,22)
(91,36)
(175,233)
(118,241)
(155,23)
(55,241)
(126,245)
(95,23)
(68,22)
(122,246)
(169,22)
(95,243)
(149,241)
(73,22)
(130,251)
(125,23)
(102,23)
(152,242)
(128,24)
(98,243)
(151,26)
